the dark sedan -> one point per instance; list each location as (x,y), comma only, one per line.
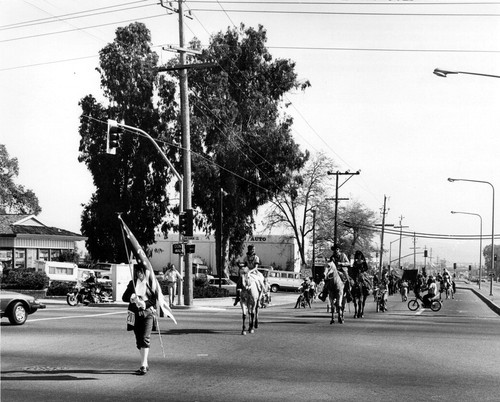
(17,306)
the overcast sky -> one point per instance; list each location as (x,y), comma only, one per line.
(374,104)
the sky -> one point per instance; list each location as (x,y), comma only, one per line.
(374,104)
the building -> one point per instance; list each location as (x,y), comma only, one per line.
(25,239)
(281,252)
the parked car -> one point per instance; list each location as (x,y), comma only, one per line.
(17,306)
(226,284)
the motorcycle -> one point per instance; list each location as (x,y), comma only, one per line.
(434,305)
(88,294)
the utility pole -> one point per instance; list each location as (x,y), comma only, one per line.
(186,141)
(415,250)
(314,245)
(337,174)
(382,236)
(400,227)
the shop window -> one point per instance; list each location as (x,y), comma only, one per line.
(43,254)
(54,255)
(20,261)
(6,258)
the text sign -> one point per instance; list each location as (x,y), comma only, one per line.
(177,248)
(190,248)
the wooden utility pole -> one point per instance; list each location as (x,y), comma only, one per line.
(337,199)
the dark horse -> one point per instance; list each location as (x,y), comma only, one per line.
(360,291)
(362,285)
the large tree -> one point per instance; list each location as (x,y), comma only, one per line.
(134,180)
(241,136)
(14,198)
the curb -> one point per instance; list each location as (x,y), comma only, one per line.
(488,302)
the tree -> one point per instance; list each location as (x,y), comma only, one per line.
(14,198)
(134,180)
(354,220)
(293,207)
(241,137)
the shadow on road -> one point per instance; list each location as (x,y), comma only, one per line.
(46,374)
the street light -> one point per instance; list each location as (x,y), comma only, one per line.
(444,73)
(480,238)
(492,225)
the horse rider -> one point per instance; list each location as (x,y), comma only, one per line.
(342,263)
(328,274)
(250,264)
(446,278)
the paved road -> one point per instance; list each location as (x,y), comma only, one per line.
(84,354)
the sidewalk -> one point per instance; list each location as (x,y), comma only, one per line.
(492,301)
(221,303)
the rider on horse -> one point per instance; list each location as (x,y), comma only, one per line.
(250,264)
(341,263)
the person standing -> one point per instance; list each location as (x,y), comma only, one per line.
(141,313)
(172,276)
(251,263)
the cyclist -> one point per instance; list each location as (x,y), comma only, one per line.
(431,291)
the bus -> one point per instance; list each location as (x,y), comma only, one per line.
(281,280)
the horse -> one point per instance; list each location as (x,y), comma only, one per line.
(336,292)
(251,294)
(360,291)
(447,288)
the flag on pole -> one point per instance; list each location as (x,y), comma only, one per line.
(141,258)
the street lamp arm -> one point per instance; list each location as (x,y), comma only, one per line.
(444,73)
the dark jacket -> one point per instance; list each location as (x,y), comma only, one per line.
(150,303)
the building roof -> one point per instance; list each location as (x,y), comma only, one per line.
(14,225)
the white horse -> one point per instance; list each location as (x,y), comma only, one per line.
(251,294)
(335,288)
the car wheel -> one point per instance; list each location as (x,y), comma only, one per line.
(274,288)
(18,314)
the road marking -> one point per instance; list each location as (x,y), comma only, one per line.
(419,311)
(75,316)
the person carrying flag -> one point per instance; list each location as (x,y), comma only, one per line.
(141,313)
(145,298)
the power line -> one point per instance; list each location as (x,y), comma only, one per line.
(75,15)
(355,13)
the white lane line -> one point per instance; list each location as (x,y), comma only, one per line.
(75,316)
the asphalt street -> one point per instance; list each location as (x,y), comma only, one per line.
(84,354)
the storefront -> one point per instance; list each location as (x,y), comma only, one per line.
(25,239)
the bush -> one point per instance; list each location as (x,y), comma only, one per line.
(60,288)
(201,289)
(25,279)
(200,292)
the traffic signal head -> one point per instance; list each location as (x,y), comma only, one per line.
(113,137)
(425,253)
(186,223)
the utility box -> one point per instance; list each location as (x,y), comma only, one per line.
(121,275)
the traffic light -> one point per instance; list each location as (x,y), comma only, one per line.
(425,253)
(454,265)
(113,137)
(186,223)
(470,267)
